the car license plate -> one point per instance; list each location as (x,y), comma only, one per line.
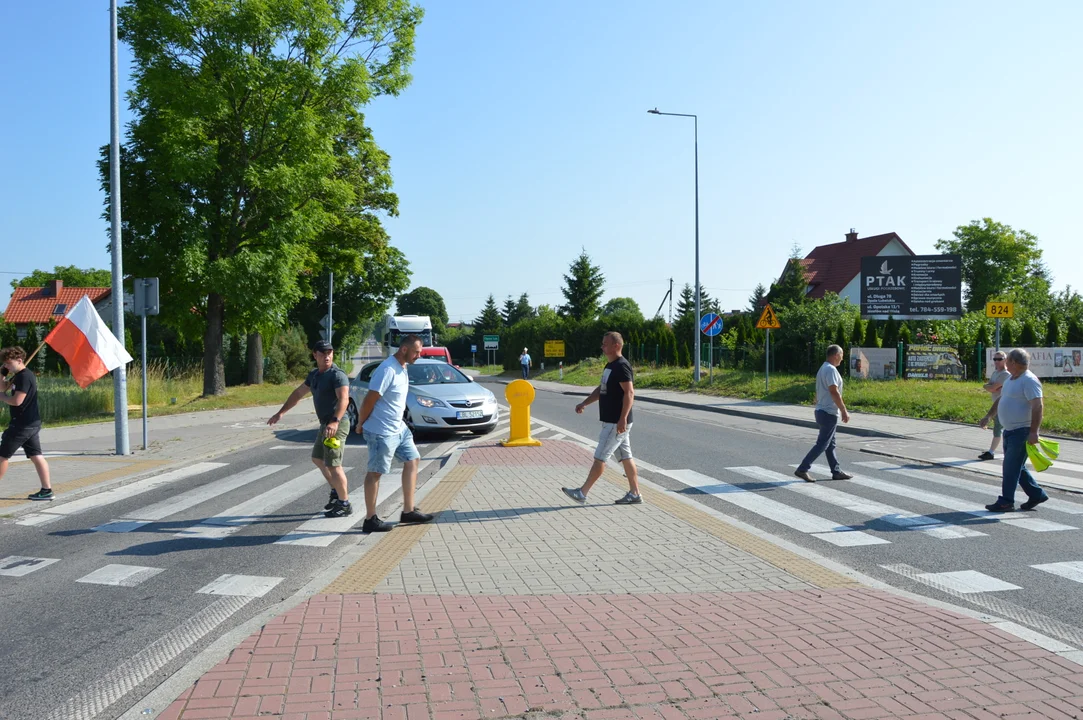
(468,414)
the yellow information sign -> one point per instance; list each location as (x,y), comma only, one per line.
(999,309)
(768,319)
(554,348)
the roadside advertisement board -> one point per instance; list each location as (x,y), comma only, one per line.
(934,362)
(1046,362)
(911,286)
(873,363)
(554,348)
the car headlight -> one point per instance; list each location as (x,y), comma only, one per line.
(429,402)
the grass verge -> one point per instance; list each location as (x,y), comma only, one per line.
(927,399)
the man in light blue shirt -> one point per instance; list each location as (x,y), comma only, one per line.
(387,436)
(1020,409)
(829,406)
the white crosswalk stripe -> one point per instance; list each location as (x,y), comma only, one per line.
(18,565)
(184,501)
(1072,570)
(255,509)
(822,528)
(1063,506)
(866,508)
(951,503)
(120,575)
(252,586)
(996,469)
(108,497)
(967,581)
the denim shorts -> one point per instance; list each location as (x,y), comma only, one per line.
(382,448)
(609,442)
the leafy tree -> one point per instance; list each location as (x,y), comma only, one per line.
(619,305)
(424,301)
(582,289)
(1029,336)
(983,335)
(997,262)
(248,161)
(840,336)
(1075,334)
(904,334)
(70,275)
(490,321)
(1052,332)
(757,298)
(871,338)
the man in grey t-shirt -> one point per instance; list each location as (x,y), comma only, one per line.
(330,390)
(996,380)
(829,406)
(1020,409)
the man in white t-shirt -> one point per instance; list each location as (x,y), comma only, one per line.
(380,420)
(1020,409)
(829,406)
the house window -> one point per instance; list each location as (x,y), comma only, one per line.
(60,308)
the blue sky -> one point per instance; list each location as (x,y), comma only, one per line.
(524,137)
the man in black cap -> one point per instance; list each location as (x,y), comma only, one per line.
(330,388)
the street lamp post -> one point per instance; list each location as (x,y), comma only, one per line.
(695,325)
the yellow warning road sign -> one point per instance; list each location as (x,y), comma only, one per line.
(768,319)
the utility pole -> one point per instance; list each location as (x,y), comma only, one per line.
(671,301)
(120,378)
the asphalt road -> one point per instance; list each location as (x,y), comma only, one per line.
(62,634)
(922,529)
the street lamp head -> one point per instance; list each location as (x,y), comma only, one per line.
(654,112)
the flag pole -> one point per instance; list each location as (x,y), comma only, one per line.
(34,353)
(120,379)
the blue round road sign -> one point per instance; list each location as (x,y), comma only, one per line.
(711,324)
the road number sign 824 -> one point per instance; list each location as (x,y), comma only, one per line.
(999,310)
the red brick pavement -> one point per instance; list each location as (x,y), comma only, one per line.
(853,653)
(550,453)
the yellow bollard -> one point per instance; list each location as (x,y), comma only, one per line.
(520,394)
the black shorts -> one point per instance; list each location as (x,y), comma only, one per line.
(20,437)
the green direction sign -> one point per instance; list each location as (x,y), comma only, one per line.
(491,342)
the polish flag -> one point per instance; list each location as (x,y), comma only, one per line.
(87,343)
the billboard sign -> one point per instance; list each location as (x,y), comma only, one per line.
(873,363)
(934,362)
(1046,362)
(920,286)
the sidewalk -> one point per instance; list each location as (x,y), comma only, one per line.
(926,441)
(518,604)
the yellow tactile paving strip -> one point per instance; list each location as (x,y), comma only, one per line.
(767,551)
(128,468)
(368,572)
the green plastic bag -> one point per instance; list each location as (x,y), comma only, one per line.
(1039,461)
(1050,448)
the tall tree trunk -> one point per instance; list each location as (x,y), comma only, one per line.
(255,358)
(214,370)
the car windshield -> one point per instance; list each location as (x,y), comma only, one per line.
(435,374)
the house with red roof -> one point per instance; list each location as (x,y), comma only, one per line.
(835,267)
(39,305)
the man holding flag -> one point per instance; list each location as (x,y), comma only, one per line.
(22,431)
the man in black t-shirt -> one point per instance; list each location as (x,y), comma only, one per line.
(22,431)
(614,396)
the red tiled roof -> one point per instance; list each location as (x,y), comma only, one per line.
(32,305)
(831,267)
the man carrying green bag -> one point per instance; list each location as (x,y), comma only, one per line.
(1019,409)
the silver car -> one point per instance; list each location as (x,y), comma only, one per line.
(441,399)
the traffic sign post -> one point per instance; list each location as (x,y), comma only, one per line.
(491,344)
(146,303)
(768,321)
(711,325)
(999,310)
